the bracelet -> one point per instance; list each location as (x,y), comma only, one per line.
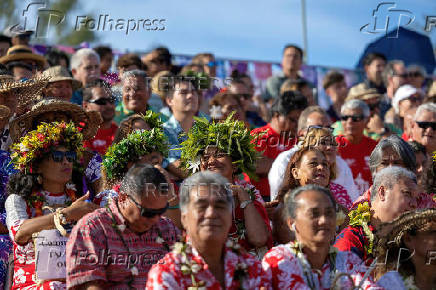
(59,219)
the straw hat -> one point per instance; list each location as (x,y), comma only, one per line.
(410,221)
(5,112)
(25,91)
(88,121)
(59,73)
(22,52)
(362,92)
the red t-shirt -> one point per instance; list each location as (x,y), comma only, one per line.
(102,140)
(357,157)
(271,144)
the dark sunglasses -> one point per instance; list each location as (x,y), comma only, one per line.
(149,212)
(353,118)
(245,96)
(405,75)
(414,74)
(319,127)
(102,101)
(58,156)
(425,125)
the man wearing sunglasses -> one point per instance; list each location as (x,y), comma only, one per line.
(354,147)
(115,247)
(406,97)
(424,127)
(99,98)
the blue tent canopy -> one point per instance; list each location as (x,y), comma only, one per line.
(410,47)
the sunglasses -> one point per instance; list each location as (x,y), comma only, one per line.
(102,101)
(149,212)
(405,75)
(353,118)
(414,74)
(425,125)
(245,96)
(58,156)
(319,127)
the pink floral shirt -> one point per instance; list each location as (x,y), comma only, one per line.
(239,268)
(95,251)
(340,194)
(287,271)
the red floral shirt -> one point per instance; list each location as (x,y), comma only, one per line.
(167,273)
(287,270)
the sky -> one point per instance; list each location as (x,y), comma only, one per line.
(254,29)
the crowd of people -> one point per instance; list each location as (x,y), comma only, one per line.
(150,176)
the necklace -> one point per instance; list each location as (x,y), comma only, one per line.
(37,199)
(361,217)
(119,229)
(296,249)
(188,266)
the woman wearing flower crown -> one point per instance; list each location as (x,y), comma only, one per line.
(310,262)
(145,145)
(406,246)
(207,259)
(225,148)
(40,195)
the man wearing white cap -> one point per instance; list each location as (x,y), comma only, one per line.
(405,97)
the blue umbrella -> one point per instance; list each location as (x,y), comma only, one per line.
(410,47)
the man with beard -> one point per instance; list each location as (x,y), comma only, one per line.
(99,98)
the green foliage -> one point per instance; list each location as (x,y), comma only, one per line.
(230,136)
(131,149)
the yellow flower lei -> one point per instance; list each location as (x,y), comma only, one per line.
(361,217)
(42,140)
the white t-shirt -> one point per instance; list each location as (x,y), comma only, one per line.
(276,174)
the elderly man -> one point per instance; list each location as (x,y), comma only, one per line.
(394,191)
(354,146)
(291,63)
(405,98)
(99,98)
(136,93)
(115,247)
(205,259)
(60,83)
(313,116)
(424,127)
(85,66)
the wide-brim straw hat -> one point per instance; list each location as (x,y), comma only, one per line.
(88,121)
(22,52)
(362,92)
(25,91)
(391,234)
(59,73)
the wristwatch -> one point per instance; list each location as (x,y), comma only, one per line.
(245,203)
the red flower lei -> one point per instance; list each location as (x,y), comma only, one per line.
(37,199)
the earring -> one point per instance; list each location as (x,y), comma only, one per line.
(39,179)
(293,227)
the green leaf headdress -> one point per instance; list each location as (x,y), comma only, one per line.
(230,136)
(131,149)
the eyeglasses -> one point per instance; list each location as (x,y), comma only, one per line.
(102,101)
(414,74)
(58,156)
(353,118)
(425,125)
(311,127)
(149,212)
(405,75)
